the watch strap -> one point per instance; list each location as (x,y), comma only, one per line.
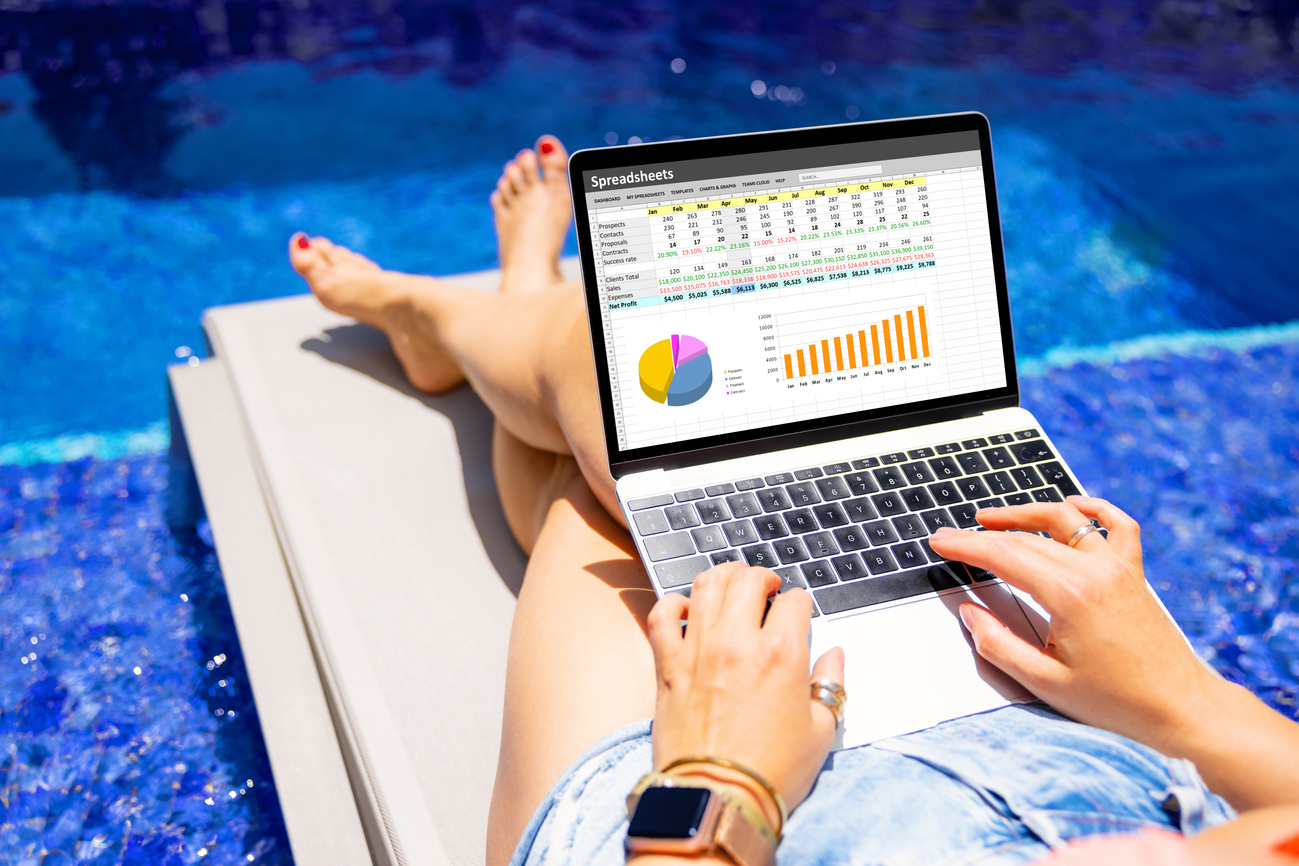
(741,840)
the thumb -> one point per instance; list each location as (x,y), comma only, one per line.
(1027,664)
(828,667)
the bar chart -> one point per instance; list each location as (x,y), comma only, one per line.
(825,343)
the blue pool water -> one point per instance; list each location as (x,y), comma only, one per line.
(1147,211)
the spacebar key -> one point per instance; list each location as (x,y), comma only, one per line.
(886,587)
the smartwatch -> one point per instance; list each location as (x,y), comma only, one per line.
(674,815)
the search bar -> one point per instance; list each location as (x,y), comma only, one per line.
(813,176)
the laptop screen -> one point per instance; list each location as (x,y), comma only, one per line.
(743,294)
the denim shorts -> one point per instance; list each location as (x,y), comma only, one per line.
(1002,787)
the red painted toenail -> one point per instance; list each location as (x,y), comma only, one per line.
(547,147)
(303,243)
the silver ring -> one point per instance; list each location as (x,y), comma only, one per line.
(1077,536)
(832,695)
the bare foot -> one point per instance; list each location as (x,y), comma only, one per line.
(350,284)
(533,212)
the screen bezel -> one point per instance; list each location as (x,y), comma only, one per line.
(813,431)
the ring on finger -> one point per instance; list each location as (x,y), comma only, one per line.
(832,695)
(1079,533)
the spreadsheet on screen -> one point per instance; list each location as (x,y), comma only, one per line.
(736,302)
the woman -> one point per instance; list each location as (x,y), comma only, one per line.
(1007,786)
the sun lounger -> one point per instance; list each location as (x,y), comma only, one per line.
(370,571)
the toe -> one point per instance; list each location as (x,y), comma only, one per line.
(527,161)
(514,172)
(504,191)
(304,252)
(553,157)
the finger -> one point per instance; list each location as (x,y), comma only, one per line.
(1125,533)
(1030,666)
(1061,519)
(708,597)
(747,592)
(791,613)
(664,623)
(1026,561)
(828,667)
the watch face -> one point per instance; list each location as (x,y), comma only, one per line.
(669,813)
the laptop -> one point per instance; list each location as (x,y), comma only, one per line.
(803,348)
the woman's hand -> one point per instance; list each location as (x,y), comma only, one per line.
(736,687)
(1113,658)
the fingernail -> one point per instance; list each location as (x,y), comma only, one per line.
(967,616)
(547,147)
(303,243)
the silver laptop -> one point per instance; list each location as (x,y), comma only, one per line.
(803,348)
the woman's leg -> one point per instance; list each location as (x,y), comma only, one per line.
(579,665)
(526,350)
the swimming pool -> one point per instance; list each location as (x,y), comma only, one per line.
(1146,212)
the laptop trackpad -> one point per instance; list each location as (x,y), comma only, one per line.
(913,666)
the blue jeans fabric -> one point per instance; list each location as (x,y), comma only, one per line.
(1003,787)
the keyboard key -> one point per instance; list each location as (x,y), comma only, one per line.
(782,478)
(949,448)
(945,493)
(936,518)
(909,555)
(802,494)
(726,556)
(807,474)
(833,488)
(1019,498)
(917,499)
(879,561)
(713,510)
(820,544)
(973,488)
(895,457)
(1001,439)
(888,504)
(770,526)
(910,526)
(920,453)
(744,505)
(1027,434)
(866,463)
(800,520)
(791,550)
(850,538)
(917,473)
(708,538)
(690,495)
(1000,483)
(760,555)
(860,483)
(739,533)
(650,522)
(890,478)
(1026,478)
(860,510)
(661,547)
(880,532)
(682,571)
(998,458)
(680,516)
(963,514)
(790,578)
(1048,494)
(650,502)
(1055,474)
(849,567)
(837,468)
(972,462)
(974,443)
(818,573)
(830,515)
(994,502)
(720,489)
(1031,452)
(773,499)
(945,467)
(749,484)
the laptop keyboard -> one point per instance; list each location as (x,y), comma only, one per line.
(855,534)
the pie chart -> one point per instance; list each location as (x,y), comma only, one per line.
(676,371)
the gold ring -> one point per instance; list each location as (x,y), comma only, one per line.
(1077,536)
(832,695)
